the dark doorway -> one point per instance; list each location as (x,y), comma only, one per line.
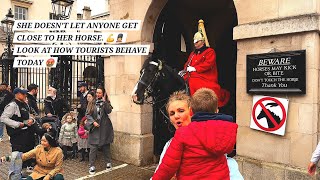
(173,41)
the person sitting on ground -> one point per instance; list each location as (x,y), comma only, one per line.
(55,104)
(206,139)
(49,159)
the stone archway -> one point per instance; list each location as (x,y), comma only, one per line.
(170,26)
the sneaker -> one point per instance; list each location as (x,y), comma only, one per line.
(109,166)
(92,170)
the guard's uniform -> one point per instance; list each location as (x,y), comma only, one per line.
(206,74)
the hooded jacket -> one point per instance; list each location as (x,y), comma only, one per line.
(198,150)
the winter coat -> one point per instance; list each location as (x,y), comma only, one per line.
(104,134)
(82,132)
(83,106)
(57,106)
(232,164)
(68,134)
(47,162)
(21,139)
(198,150)
(206,74)
(83,138)
(32,102)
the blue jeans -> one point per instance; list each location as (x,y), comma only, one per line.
(1,129)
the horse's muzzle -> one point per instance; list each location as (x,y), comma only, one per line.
(135,99)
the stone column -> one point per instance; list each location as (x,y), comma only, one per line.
(279,25)
(132,123)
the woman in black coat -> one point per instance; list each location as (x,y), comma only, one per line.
(100,128)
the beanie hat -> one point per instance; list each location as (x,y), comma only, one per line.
(51,139)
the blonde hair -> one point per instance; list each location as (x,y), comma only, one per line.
(64,118)
(178,96)
(46,125)
(204,100)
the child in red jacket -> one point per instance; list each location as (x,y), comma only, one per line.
(198,150)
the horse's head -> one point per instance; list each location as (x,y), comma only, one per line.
(262,114)
(149,75)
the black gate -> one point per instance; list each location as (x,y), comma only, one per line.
(65,77)
(71,70)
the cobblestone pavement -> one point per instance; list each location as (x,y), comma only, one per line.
(73,169)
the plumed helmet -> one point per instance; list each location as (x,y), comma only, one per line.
(198,37)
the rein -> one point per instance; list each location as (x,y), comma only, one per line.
(149,88)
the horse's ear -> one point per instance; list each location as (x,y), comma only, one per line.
(160,65)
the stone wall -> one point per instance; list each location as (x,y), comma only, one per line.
(264,26)
(132,123)
(250,11)
(268,26)
(252,169)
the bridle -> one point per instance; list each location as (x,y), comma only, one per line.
(149,87)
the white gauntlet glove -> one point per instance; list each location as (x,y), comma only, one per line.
(191,69)
(182,73)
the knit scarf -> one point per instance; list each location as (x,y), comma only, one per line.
(99,103)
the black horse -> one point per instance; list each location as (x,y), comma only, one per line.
(159,81)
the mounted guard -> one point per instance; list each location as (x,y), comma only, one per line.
(200,70)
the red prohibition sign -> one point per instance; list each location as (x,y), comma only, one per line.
(276,125)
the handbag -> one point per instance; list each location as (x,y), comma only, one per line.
(89,127)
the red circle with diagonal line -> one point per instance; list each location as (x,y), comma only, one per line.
(276,125)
